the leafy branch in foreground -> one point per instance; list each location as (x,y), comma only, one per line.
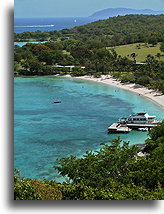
(28,189)
(98,169)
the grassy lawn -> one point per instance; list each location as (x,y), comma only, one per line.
(142,52)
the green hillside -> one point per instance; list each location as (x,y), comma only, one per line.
(114,31)
(140,49)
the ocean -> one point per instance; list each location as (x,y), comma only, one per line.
(49,24)
(45,132)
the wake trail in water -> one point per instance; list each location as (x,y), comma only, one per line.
(36,26)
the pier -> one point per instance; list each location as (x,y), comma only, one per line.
(125,128)
(118,128)
(140,121)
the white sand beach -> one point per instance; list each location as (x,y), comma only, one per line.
(155,96)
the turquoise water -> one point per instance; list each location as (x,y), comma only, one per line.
(20,44)
(44,131)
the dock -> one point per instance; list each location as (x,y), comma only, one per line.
(139,121)
(125,128)
(118,128)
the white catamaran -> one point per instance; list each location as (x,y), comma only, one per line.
(139,118)
(141,121)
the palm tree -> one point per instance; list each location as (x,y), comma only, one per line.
(158,55)
(133,55)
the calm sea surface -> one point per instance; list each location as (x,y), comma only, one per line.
(49,24)
(44,131)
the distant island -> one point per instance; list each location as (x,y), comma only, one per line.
(111,12)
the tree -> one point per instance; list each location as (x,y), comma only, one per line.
(158,55)
(50,56)
(160,86)
(161,47)
(143,80)
(102,53)
(35,48)
(156,131)
(16,66)
(152,41)
(100,168)
(95,44)
(28,189)
(78,71)
(133,55)
(54,45)
(81,52)
(127,77)
(32,67)
(70,44)
(114,53)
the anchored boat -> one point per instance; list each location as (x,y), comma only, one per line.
(141,121)
(57,102)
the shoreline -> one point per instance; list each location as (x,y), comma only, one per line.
(150,94)
(154,96)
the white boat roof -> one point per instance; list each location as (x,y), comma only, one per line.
(142,115)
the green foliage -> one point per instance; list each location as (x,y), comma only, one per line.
(116,191)
(78,71)
(152,40)
(27,189)
(161,47)
(54,45)
(161,86)
(70,44)
(102,53)
(81,52)
(127,77)
(97,169)
(144,80)
(50,56)
(156,132)
(133,55)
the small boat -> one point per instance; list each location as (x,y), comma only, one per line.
(57,102)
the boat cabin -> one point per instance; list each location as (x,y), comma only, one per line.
(140,118)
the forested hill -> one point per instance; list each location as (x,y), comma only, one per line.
(123,29)
(110,12)
(113,31)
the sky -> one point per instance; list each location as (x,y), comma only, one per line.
(77,8)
